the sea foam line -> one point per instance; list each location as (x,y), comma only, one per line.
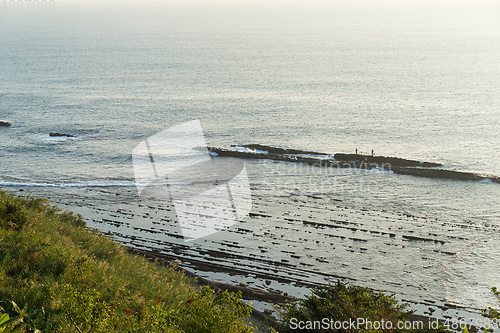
(98,184)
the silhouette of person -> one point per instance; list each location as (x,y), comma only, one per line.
(373,154)
(356,151)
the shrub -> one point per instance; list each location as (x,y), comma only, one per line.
(346,303)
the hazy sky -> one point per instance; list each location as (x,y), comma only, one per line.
(278,4)
(110,7)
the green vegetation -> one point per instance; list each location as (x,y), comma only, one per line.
(346,304)
(57,275)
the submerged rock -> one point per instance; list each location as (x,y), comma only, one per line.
(4,123)
(62,134)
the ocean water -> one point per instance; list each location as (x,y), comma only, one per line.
(414,82)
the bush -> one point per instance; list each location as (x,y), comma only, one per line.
(342,303)
(345,303)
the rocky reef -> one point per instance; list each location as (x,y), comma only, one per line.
(341,160)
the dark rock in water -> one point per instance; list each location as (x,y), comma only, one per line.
(395,164)
(394,161)
(4,123)
(441,173)
(62,134)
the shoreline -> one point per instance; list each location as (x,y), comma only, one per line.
(247,293)
(148,228)
(265,296)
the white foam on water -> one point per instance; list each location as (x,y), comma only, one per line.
(248,150)
(47,139)
(69,185)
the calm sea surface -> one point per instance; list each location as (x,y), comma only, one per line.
(422,84)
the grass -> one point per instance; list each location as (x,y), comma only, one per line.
(57,275)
